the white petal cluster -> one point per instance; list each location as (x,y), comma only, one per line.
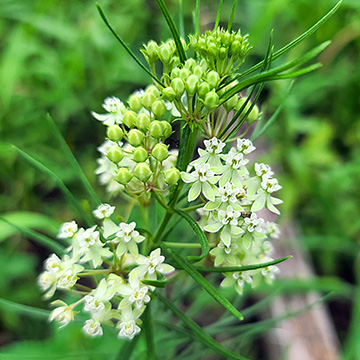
(114,108)
(120,295)
(232,196)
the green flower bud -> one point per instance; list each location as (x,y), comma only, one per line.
(167,129)
(191,84)
(198,71)
(148,100)
(135,103)
(158,108)
(165,53)
(152,89)
(178,85)
(143,122)
(123,176)
(140,154)
(223,53)
(114,133)
(184,74)
(213,49)
(160,152)
(172,176)
(142,171)
(135,137)
(152,50)
(168,94)
(211,100)
(235,48)
(213,78)
(129,119)
(203,89)
(156,129)
(175,72)
(115,154)
(231,103)
(189,64)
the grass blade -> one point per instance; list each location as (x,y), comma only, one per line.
(173,30)
(40,238)
(295,42)
(257,133)
(181,19)
(241,268)
(205,248)
(9,306)
(70,197)
(218,15)
(149,334)
(125,46)
(231,19)
(197,17)
(73,162)
(194,273)
(199,333)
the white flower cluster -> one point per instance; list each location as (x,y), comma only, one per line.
(120,296)
(232,197)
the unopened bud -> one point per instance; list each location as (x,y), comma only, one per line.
(203,89)
(156,129)
(167,129)
(191,84)
(143,122)
(129,119)
(160,152)
(140,154)
(135,137)
(172,176)
(178,85)
(114,133)
(135,103)
(254,113)
(231,103)
(211,100)
(164,53)
(158,108)
(123,176)
(142,171)
(168,94)
(184,73)
(115,154)
(213,78)
(152,50)
(198,71)
(148,100)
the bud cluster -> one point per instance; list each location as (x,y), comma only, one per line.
(222,50)
(135,155)
(231,199)
(119,296)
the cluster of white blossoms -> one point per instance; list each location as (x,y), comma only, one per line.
(232,196)
(110,254)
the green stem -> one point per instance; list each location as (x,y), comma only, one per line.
(149,334)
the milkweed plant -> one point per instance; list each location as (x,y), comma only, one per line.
(203,94)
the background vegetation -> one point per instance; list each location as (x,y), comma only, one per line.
(58,57)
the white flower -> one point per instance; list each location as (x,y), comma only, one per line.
(214,145)
(114,107)
(245,146)
(62,314)
(48,281)
(202,180)
(88,237)
(237,278)
(93,328)
(133,293)
(97,302)
(104,211)
(270,185)
(53,264)
(152,264)
(213,148)
(263,170)
(223,253)
(68,276)
(254,224)
(127,238)
(68,230)
(272,229)
(128,321)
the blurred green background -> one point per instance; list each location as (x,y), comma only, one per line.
(58,57)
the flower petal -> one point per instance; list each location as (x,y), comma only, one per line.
(194,191)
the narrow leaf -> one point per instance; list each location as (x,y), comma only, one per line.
(149,334)
(125,46)
(70,197)
(231,19)
(205,248)
(40,238)
(218,15)
(241,268)
(258,132)
(157,283)
(295,42)
(197,17)
(173,30)
(8,305)
(127,349)
(73,162)
(199,333)
(193,272)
